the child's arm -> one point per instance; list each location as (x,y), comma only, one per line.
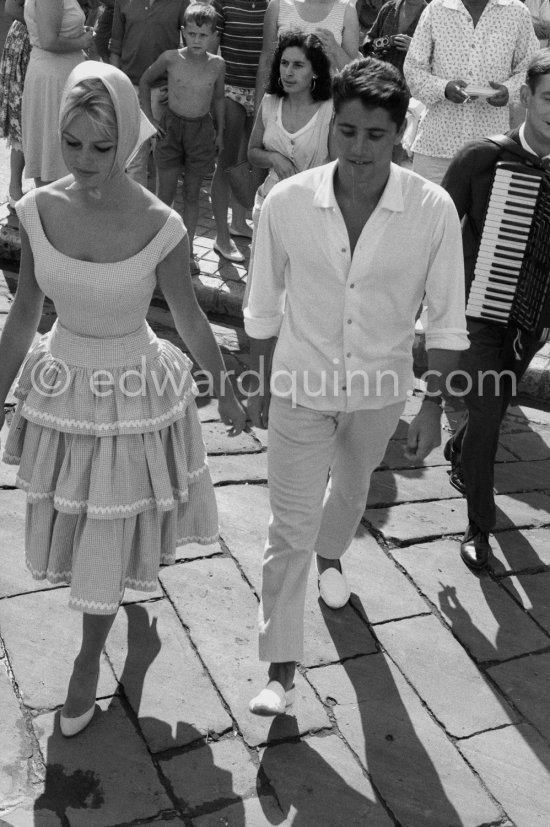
(218,100)
(192,325)
(157,70)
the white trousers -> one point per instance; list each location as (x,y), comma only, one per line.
(305,445)
(430,167)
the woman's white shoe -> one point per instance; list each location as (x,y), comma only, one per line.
(72,726)
(272,700)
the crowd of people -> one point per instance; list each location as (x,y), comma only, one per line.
(347,245)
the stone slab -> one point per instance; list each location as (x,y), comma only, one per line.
(480,613)
(219,772)
(521,551)
(328,635)
(409,485)
(220,611)
(256,812)
(318,781)
(522,476)
(380,591)
(525,681)
(238,468)
(411,522)
(16,578)
(532,591)
(218,442)
(28,816)
(16,750)
(514,763)
(163,678)
(103,777)
(196,551)
(42,636)
(443,675)
(413,765)
(394,458)
(528,446)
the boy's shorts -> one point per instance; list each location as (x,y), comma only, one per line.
(187,143)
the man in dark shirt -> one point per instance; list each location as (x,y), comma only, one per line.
(497,351)
(141,32)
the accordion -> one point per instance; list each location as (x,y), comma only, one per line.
(511,281)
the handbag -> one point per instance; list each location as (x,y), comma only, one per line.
(244,180)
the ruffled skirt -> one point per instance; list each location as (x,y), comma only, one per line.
(110,452)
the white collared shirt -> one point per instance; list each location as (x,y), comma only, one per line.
(526,146)
(345,325)
(446,46)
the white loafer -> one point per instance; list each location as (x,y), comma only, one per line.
(233,255)
(72,726)
(272,700)
(334,589)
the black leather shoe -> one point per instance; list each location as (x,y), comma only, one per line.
(456,477)
(474,548)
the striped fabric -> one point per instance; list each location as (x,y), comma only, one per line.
(240,25)
(289,18)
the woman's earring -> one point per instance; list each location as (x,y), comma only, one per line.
(279,81)
(313,82)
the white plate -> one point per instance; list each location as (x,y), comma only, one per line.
(480,91)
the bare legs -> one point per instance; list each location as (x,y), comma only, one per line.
(237,130)
(282,672)
(17,165)
(167,187)
(83,683)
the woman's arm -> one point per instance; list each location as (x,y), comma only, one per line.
(49,16)
(349,50)
(264,158)
(22,321)
(15,9)
(192,325)
(269,44)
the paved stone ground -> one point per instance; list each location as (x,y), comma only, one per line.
(423,703)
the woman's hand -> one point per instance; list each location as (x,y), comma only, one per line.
(328,40)
(282,166)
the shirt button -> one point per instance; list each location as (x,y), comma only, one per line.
(349,321)
(348,355)
(343,250)
(352,286)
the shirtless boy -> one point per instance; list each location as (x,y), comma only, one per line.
(188,139)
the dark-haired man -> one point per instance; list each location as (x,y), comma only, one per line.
(345,253)
(494,349)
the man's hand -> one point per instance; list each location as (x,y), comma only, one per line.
(424,432)
(402,42)
(454,91)
(502,95)
(258,410)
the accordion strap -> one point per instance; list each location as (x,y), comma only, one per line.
(507,143)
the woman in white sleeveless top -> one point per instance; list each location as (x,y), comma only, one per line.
(333,21)
(291,131)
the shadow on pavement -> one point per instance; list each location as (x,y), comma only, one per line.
(108,768)
(382,731)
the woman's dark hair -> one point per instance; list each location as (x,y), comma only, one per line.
(376,84)
(314,52)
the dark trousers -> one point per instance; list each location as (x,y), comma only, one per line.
(494,373)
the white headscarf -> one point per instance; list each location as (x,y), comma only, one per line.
(133,126)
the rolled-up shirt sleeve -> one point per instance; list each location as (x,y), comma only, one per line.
(264,315)
(424,85)
(445,290)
